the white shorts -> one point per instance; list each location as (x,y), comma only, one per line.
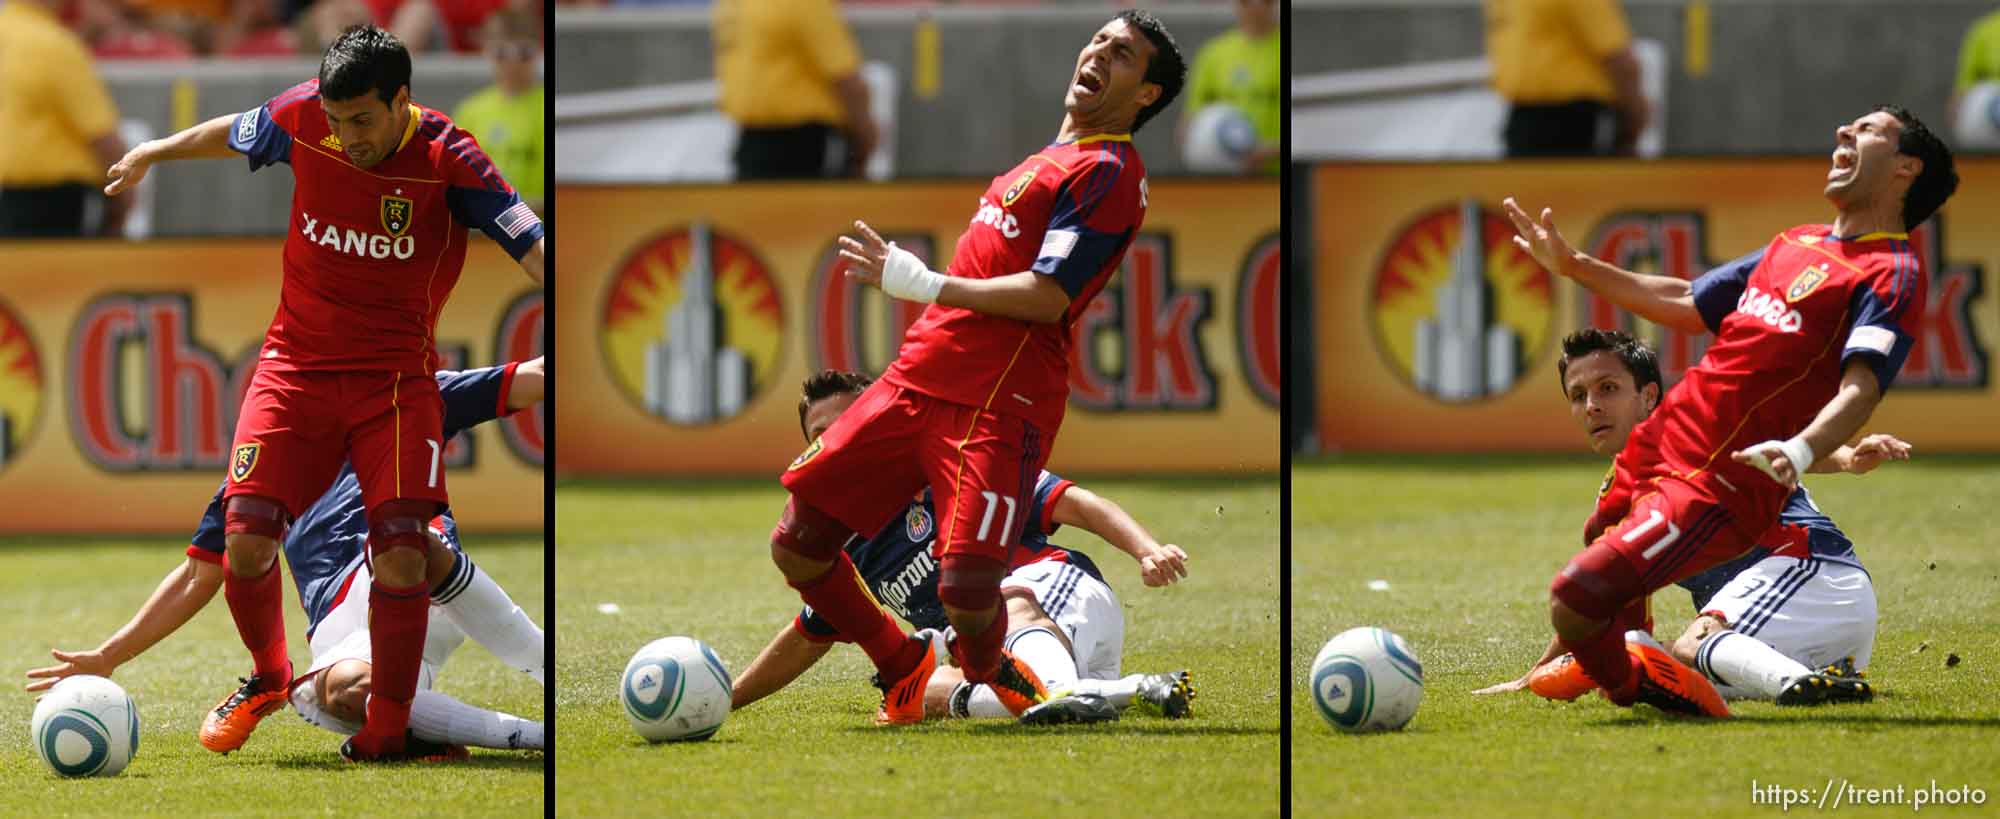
(343,635)
(1815,611)
(1084,608)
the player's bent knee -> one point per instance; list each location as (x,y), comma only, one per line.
(343,690)
(1024,611)
(252,526)
(806,541)
(969,588)
(399,541)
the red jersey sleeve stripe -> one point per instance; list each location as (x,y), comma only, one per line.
(293,96)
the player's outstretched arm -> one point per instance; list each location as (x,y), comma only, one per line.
(531,261)
(527,388)
(1024,296)
(1160,564)
(1863,456)
(787,656)
(1554,650)
(1664,300)
(184,591)
(209,140)
(1860,392)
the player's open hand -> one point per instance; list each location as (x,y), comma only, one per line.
(1508,687)
(73,663)
(1540,239)
(125,174)
(1164,566)
(1875,450)
(865,256)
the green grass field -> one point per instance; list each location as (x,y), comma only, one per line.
(1468,548)
(72,593)
(692,558)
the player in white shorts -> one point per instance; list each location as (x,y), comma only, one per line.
(1064,622)
(1793,621)
(325,549)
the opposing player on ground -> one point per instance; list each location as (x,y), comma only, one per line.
(1799,601)
(971,406)
(1065,623)
(326,551)
(384,193)
(1810,331)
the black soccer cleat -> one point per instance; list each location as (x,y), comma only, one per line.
(1167,695)
(1821,687)
(414,750)
(1071,709)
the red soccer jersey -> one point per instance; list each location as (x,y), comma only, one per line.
(1787,319)
(1069,211)
(372,254)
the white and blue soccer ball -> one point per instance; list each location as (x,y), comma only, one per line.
(1367,679)
(675,689)
(1218,138)
(85,726)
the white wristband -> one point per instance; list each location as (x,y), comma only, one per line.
(906,278)
(1795,449)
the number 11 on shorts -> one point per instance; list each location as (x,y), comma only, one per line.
(993,500)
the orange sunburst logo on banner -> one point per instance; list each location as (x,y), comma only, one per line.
(20,385)
(693,326)
(1460,314)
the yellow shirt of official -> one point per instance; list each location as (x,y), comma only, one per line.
(776,61)
(52,105)
(1552,51)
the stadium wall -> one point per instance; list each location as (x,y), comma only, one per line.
(1746,77)
(690,315)
(122,367)
(1452,347)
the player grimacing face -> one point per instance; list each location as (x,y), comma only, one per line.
(368,128)
(1109,86)
(821,413)
(1603,401)
(1865,160)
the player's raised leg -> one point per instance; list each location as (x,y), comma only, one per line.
(283,457)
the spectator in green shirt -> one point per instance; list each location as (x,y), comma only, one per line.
(506,117)
(1243,67)
(1978,61)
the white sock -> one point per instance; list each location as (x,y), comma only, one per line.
(1747,663)
(1120,692)
(480,608)
(439,718)
(1046,658)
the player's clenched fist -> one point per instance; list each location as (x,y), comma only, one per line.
(126,173)
(1541,240)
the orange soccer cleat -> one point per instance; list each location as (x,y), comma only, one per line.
(903,700)
(1665,683)
(1560,679)
(228,726)
(1017,685)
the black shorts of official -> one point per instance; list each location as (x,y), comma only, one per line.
(1584,128)
(796,152)
(43,212)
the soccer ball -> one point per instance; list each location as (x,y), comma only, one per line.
(675,689)
(1218,138)
(1367,679)
(85,726)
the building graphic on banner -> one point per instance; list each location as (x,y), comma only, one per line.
(1458,306)
(692,376)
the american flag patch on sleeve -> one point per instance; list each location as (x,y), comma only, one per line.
(1057,244)
(516,220)
(1871,337)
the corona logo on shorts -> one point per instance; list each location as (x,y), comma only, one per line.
(20,385)
(693,326)
(1459,313)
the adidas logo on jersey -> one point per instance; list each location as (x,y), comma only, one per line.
(330,142)
(365,245)
(997,218)
(1770,309)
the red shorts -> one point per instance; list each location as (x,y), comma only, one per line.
(297,427)
(1674,531)
(893,442)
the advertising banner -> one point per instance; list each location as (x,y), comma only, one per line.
(122,368)
(1435,333)
(689,316)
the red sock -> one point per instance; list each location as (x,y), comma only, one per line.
(258,606)
(397,620)
(979,654)
(1606,662)
(840,599)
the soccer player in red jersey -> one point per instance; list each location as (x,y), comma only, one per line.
(1809,332)
(384,192)
(972,403)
